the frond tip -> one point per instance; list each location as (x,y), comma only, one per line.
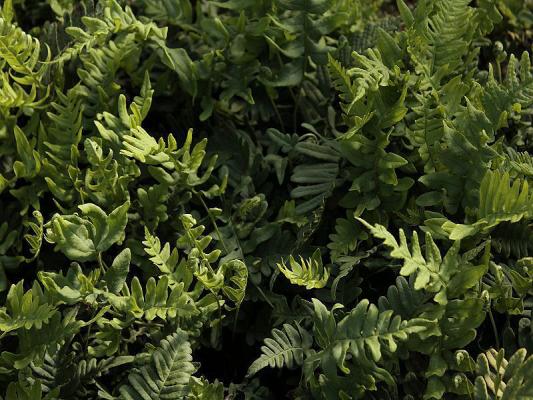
(310,273)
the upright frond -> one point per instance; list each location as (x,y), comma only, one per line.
(167,374)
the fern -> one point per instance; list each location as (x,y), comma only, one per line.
(286,348)
(25,310)
(403,299)
(315,181)
(516,89)
(343,84)
(366,330)
(309,273)
(497,377)
(155,301)
(355,345)
(99,29)
(168,373)
(169,12)
(345,238)
(512,239)
(36,239)
(499,201)
(437,274)
(126,249)
(22,54)
(520,162)
(83,238)
(20,391)
(440,33)
(99,71)
(164,259)
(61,141)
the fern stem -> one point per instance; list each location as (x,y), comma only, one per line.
(494,329)
(220,237)
(262,294)
(101,262)
(295,111)
(276,111)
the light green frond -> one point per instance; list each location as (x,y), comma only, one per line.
(500,200)
(310,273)
(25,309)
(22,53)
(35,239)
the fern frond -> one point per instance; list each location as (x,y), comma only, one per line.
(98,75)
(164,259)
(498,378)
(310,273)
(235,279)
(434,273)
(342,83)
(402,298)
(520,162)
(167,375)
(366,330)
(114,19)
(21,391)
(169,11)
(286,348)
(25,310)
(74,377)
(514,240)
(36,239)
(315,181)
(22,52)
(359,341)
(65,128)
(500,200)
(439,39)
(14,95)
(61,139)
(430,125)
(513,94)
(202,389)
(154,301)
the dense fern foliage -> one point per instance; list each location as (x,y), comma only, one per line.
(266,199)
